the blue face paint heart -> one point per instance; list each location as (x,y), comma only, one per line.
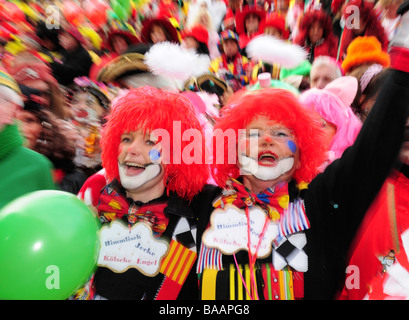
(292,146)
(154,155)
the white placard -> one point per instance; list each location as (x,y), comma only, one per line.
(229,231)
(123,248)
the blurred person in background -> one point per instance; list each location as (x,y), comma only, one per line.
(22,170)
(231,66)
(386,224)
(30,71)
(368,25)
(76,61)
(324,69)
(316,36)
(54,138)
(332,103)
(389,18)
(90,105)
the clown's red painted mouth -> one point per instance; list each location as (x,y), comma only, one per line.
(267,159)
(82,114)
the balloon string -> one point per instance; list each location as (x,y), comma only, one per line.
(249,250)
(253,257)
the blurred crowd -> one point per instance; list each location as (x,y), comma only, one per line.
(71,58)
(64,63)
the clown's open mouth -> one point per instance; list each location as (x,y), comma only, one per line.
(267,167)
(135,174)
(267,159)
(134,168)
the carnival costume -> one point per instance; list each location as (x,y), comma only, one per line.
(231,69)
(384,230)
(314,224)
(327,45)
(171,223)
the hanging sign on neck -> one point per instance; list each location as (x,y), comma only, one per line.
(231,228)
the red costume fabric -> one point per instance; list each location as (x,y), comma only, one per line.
(379,233)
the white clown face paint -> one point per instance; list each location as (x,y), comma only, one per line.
(139,161)
(265,173)
(268,151)
(134,181)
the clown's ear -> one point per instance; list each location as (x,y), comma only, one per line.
(344,88)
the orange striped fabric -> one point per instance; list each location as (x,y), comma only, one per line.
(178,262)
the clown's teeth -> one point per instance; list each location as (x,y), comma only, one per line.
(263,155)
(134,164)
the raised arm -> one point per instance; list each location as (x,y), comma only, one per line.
(350,183)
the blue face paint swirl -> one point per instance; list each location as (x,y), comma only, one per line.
(292,146)
(154,155)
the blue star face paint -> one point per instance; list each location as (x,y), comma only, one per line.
(292,146)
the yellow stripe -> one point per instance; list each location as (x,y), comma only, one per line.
(187,268)
(285,284)
(174,260)
(166,260)
(181,263)
(255,284)
(281,284)
(248,282)
(239,285)
(232,293)
(209,284)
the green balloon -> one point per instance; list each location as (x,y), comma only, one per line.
(49,245)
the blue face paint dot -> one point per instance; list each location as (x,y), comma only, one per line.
(292,146)
(154,155)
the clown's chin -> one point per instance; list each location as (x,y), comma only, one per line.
(250,166)
(134,181)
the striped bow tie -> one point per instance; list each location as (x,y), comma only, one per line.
(114,205)
(274,200)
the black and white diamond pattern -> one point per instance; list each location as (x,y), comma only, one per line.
(185,233)
(289,251)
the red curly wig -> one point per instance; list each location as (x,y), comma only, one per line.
(279,105)
(147,109)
